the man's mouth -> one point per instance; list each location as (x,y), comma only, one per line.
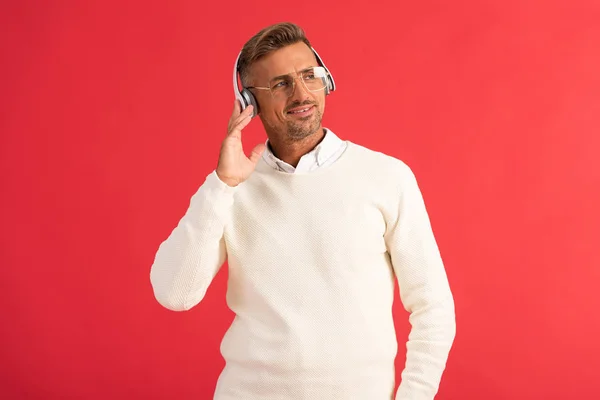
(301,111)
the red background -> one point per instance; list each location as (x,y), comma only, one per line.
(112,116)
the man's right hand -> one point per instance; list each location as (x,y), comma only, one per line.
(234,167)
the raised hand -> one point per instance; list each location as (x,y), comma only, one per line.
(234,167)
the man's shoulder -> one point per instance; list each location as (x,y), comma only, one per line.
(380,159)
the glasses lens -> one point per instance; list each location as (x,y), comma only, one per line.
(282,87)
(314,79)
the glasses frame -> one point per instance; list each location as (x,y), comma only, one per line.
(294,77)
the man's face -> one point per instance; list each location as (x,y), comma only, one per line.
(279,113)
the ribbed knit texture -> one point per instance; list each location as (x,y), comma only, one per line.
(313,258)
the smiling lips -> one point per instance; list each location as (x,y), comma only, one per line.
(302,110)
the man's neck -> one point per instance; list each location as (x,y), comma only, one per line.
(292,152)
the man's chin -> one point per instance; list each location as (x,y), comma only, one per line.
(299,131)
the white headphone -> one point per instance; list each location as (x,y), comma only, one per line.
(246,98)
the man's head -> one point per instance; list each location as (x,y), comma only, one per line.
(280,69)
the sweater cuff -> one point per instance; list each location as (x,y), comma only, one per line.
(214,183)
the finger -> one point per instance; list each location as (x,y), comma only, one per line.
(234,114)
(237,108)
(257,152)
(246,113)
(236,130)
(234,120)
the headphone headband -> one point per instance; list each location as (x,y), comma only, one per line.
(331,82)
(246,98)
(236,87)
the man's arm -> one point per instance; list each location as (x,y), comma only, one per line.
(424,291)
(188,260)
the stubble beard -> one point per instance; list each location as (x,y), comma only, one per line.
(303,128)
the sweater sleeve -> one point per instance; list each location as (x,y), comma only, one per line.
(424,291)
(190,257)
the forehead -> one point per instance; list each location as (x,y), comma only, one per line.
(286,60)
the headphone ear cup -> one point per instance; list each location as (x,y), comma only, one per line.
(329,87)
(250,100)
(330,83)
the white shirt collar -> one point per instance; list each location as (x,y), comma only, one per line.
(327,148)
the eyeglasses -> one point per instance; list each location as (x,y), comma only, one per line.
(313,79)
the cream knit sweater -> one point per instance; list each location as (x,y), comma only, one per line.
(313,258)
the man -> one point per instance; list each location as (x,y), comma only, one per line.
(316,230)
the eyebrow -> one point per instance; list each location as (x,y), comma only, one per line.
(284,75)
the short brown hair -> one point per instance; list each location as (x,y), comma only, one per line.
(267,40)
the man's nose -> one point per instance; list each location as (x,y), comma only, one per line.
(299,90)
